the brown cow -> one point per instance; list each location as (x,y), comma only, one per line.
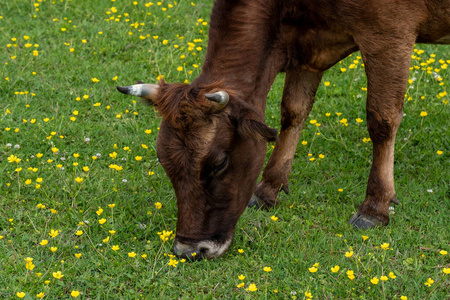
(212,141)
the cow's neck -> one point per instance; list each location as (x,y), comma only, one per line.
(241,51)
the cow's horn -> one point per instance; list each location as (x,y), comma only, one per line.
(146,91)
(221,98)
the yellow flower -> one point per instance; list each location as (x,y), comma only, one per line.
(349,254)
(158,205)
(359,120)
(112,232)
(53,233)
(115,247)
(95,80)
(138,158)
(423,114)
(173,262)
(111,205)
(267,269)
(340,190)
(20,294)
(350,274)
(241,251)
(403,298)
(29,265)
(53,249)
(335,269)
(252,288)
(326,83)
(79,179)
(439,152)
(44,242)
(144,256)
(78,255)
(308,295)
(40,295)
(13,158)
(374,280)
(86,168)
(392,275)
(165,235)
(274,218)
(241,277)
(102,221)
(131,254)
(385,246)
(240,285)
(313,269)
(384,278)
(446,270)
(365,237)
(429,282)
(148,131)
(443,252)
(99,211)
(58,275)
(179,69)
(79,232)
(74,294)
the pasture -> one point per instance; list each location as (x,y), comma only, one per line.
(87,212)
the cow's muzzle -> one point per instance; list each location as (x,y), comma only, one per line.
(203,249)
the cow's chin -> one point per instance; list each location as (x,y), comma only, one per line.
(203,249)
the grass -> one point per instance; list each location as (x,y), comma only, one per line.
(59,109)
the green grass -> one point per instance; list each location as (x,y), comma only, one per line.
(312,220)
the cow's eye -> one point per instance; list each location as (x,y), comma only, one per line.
(216,169)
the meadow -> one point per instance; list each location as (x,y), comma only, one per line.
(86,211)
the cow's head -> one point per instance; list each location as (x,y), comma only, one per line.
(212,146)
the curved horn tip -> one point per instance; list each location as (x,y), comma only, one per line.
(123,89)
(220,98)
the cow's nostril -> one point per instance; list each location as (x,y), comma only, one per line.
(203,250)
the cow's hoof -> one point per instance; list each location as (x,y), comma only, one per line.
(360,221)
(255,202)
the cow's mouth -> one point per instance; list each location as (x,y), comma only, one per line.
(203,249)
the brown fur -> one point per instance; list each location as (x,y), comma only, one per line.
(213,157)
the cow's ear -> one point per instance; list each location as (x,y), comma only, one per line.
(251,128)
(249,124)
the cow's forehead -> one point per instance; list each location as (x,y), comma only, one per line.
(184,150)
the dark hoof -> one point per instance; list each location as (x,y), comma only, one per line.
(359,221)
(254,202)
(395,200)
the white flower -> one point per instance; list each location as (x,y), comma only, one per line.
(429,190)
(16,146)
(9,145)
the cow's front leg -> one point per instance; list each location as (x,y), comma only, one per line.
(387,75)
(298,98)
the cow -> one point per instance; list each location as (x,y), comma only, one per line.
(212,139)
